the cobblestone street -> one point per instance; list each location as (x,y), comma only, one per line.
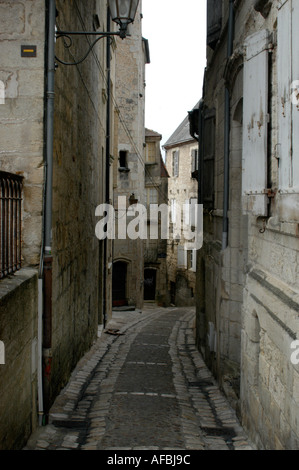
(143,387)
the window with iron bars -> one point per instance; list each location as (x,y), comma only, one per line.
(10,222)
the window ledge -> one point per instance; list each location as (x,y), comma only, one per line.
(13,281)
(123,170)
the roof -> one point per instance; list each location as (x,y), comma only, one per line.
(164,172)
(181,134)
(150,133)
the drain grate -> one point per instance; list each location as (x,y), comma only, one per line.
(219,432)
(201,383)
(70,424)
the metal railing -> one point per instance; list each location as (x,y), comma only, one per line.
(10,222)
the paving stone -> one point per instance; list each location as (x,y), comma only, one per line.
(148,389)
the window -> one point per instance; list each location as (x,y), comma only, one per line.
(152,197)
(193,215)
(182,257)
(194,162)
(2,93)
(173,211)
(123,159)
(10,223)
(175,163)
(208,159)
(150,152)
(192,260)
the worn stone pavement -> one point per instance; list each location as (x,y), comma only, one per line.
(146,388)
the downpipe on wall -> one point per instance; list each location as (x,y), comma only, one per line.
(107,190)
(45,270)
(227,132)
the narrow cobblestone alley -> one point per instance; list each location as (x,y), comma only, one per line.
(144,386)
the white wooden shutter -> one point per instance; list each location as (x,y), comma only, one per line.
(187,212)
(255,124)
(288,103)
(193,161)
(295,105)
(182,257)
(193,259)
(177,163)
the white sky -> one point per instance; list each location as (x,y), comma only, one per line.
(176,32)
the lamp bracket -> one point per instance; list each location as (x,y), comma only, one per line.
(67,36)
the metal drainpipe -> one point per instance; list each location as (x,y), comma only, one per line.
(107,196)
(45,272)
(50,125)
(227,131)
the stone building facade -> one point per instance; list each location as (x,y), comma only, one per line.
(182,165)
(58,128)
(132,56)
(22,141)
(247,271)
(155,245)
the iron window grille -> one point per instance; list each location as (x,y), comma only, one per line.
(10,222)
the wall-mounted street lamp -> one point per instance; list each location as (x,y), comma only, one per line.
(122,12)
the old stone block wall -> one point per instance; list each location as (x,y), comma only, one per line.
(248,290)
(22,23)
(22,112)
(129,93)
(79,184)
(181,188)
(18,375)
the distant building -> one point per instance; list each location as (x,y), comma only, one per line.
(155,249)
(132,55)
(182,165)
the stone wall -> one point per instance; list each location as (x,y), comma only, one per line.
(129,176)
(181,189)
(22,23)
(248,290)
(22,112)
(18,374)
(79,182)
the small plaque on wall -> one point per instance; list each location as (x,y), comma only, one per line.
(28,51)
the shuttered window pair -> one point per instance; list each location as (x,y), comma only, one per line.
(256,151)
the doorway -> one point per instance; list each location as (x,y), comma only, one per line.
(150,284)
(119,284)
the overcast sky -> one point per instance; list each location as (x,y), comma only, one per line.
(176,32)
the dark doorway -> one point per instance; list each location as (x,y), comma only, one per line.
(149,284)
(119,284)
(172,292)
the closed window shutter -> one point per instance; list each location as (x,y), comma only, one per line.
(255,124)
(193,209)
(175,163)
(288,103)
(193,161)
(182,257)
(173,211)
(193,260)
(209,159)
